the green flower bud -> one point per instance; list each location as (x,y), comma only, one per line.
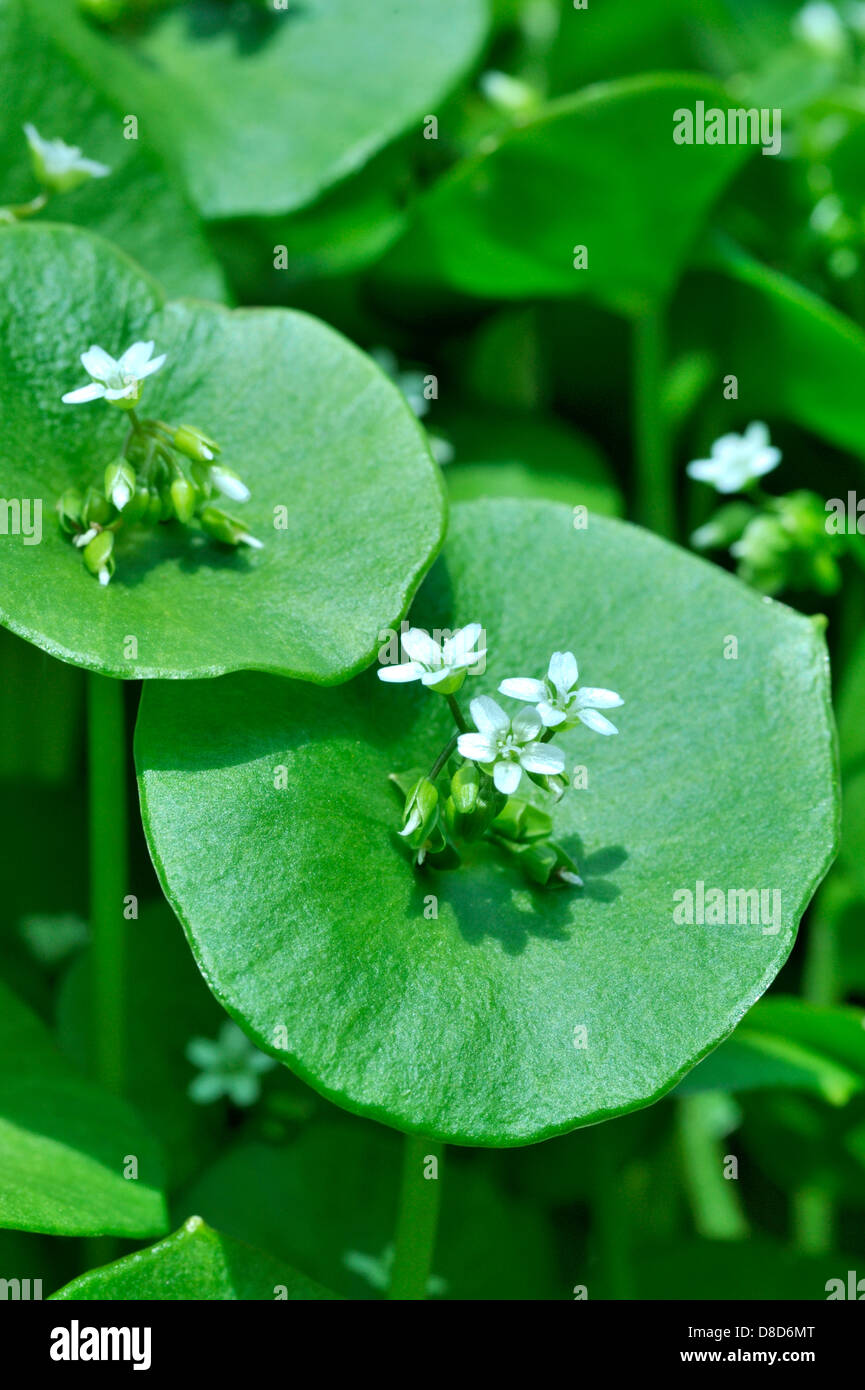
(166,510)
(136,510)
(97,509)
(227,529)
(472,804)
(229,483)
(120,483)
(195,445)
(465,788)
(421,813)
(520,820)
(154,507)
(69,510)
(98,556)
(185,499)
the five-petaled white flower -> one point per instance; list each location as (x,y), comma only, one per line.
(118,381)
(440,666)
(559,701)
(737,460)
(507,747)
(59,166)
(229,1066)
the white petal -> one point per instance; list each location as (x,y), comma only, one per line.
(593,720)
(757,434)
(229,486)
(135,358)
(527,724)
(550,715)
(408,671)
(98,363)
(458,647)
(91,392)
(523,688)
(246,539)
(592,695)
(419,646)
(765,461)
(507,777)
(542,757)
(489,717)
(704,470)
(476,748)
(150,367)
(563,671)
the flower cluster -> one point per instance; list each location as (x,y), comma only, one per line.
(778,542)
(163,473)
(487,783)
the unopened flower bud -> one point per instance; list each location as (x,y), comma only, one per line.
(226,481)
(69,510)
(227,529)
(421,813)
(185,498)
(195,445)
(98,556)
(97,509)
(120,483)
(136,509)
(154,507)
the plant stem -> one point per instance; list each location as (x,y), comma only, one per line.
(609,1215)
(717,1212)
(29,209)
(109,876)
(442,758)
(457,713)
(417,1220)
(655,491)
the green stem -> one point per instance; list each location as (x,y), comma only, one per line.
(417,1220)
(655,484)
(442,758)
(457,713)
(109,873)
(610,1215)
(813,1220)
(717,1212)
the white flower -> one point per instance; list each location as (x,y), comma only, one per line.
(737,460)
(820,26)
(442,667)
(559,701)
(59,166)
(230,1066)
(117,381)
(507,747)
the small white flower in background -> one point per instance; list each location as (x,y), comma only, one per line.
(737,460)
(558,700)
(58,166)
(440,666)
(116,380)
(377,1270)
(508,747)
(820,26)
(229,1066)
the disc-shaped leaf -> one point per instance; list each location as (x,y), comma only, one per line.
(50,65)
(599,170)
(267,108)
(64,1143)
(344,493)
(467,1004)
(195,1263)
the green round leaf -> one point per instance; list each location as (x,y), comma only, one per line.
(309,923)
(267,109)
(600,170)
(310,423)
(195,1263)
(64,1143)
